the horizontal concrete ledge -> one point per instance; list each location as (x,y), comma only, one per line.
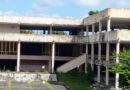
(33,57)
(111,36)
(24,76)
(42,38)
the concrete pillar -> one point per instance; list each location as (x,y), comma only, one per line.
(117,61)
(49,53)
(100,27)
(92,56)
(53,56)
(92,49)
(86,58)
(99,56)
(99,67)
(107,60)
(93,28)
(108,24)
(87,29)
(50,50)
(50,30)
(18,56)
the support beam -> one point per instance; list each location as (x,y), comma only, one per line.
(117,61)
(93,28)
(50,30)
(18,56)
(50,54)
(86,58)
(92,56)
(100,27)
(99,55)
(99,67)
(108,24)
(53,56)
(107,60)
(87,30)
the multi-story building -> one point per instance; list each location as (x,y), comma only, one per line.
(62,44)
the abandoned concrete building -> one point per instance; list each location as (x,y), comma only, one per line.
(62,44)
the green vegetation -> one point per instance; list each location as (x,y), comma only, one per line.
(93,12)
(10,86)
(123,68)
(26,31)
(75,80)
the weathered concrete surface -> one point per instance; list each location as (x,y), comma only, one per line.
(103,37)
(42,38)
(25,20)
(24,77)
(37,85)
(109,12)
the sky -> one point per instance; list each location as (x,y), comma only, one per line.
(58,8)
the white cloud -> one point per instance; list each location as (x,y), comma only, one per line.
(43,8)
(49,3)
(8,13)
(122,2)
(91,3)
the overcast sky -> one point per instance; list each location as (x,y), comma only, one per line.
(58,8)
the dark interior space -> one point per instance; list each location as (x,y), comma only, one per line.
(59,63)
(32,48)
(64,49)
(7,65)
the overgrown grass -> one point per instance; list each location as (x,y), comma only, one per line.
(75,80)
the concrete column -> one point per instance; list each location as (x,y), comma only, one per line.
(99,67)
(108,24)
(107,60)
(50,30)
(117,61)
(92,49)
(93,28)
(100,27)
(86,58)
(18,56)
(53,56)
(50,50)
(87,30)
(99,56)
(92,56)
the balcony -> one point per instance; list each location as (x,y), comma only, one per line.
(42,38)
(111,36)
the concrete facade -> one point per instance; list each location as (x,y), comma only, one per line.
(38,43)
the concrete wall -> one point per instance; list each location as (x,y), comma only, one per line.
(9,28)
(119,13)
(42,38)
(33,65)
(107,36)
(96,17)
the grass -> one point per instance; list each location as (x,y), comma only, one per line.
(75,80)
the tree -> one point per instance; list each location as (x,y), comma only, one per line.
(123,68)
(93,12)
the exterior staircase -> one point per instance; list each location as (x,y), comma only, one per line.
(72,64)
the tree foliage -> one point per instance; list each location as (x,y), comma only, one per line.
(123,68)
(93,12)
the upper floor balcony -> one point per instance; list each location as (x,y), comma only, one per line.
(111,36)
(42,38)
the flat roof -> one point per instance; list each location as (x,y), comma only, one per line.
(119,13)
(27,20)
